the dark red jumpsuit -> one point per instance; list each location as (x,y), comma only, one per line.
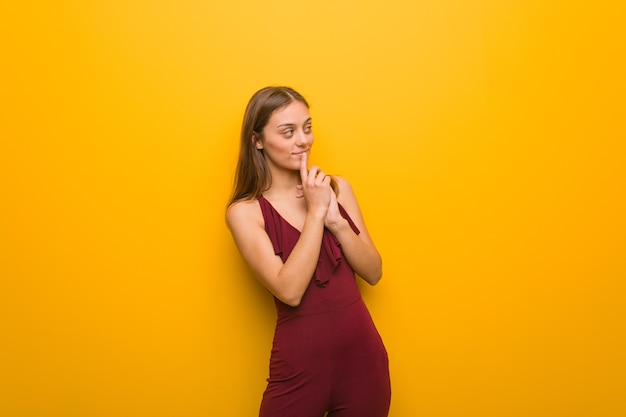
(327,355)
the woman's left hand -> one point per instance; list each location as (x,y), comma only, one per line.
(332,215)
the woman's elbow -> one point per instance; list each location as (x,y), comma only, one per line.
(377,272)
(375,279)
(293,302)
(372,277)
(291,299)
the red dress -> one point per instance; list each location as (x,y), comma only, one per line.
(327,355)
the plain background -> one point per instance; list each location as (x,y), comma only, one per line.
(484,139)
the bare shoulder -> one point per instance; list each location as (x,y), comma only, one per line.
(243,214)
(346,194)
(348,200)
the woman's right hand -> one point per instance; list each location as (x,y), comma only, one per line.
(315,187)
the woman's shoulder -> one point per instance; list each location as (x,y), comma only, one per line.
(343,187)
(244,213)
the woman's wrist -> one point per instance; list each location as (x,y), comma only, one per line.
(338,226)
(316,215)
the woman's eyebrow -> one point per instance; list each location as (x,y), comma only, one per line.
(293,124)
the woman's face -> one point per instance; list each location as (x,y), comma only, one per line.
(287,135)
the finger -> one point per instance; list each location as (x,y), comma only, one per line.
(314,174)
(314,170)
(303,162)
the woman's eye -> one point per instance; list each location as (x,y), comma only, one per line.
(288,132)
(307,129)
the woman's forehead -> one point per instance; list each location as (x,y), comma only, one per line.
(293,113)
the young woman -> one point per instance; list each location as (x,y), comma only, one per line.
(302,233)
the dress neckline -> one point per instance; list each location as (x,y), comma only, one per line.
(279,215)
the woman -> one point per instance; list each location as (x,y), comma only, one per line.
(303,235)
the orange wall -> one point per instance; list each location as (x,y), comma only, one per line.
(485,140)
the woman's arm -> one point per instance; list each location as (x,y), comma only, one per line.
(287,281)
(359,249)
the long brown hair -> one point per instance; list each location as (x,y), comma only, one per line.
(252,176)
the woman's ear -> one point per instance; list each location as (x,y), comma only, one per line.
(257,141)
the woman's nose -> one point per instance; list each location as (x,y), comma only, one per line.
(301,139)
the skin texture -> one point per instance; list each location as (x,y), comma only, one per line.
(305,199)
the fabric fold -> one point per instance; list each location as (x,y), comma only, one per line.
(330,252)
(330,258)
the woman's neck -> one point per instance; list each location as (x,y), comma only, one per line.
(283,185)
